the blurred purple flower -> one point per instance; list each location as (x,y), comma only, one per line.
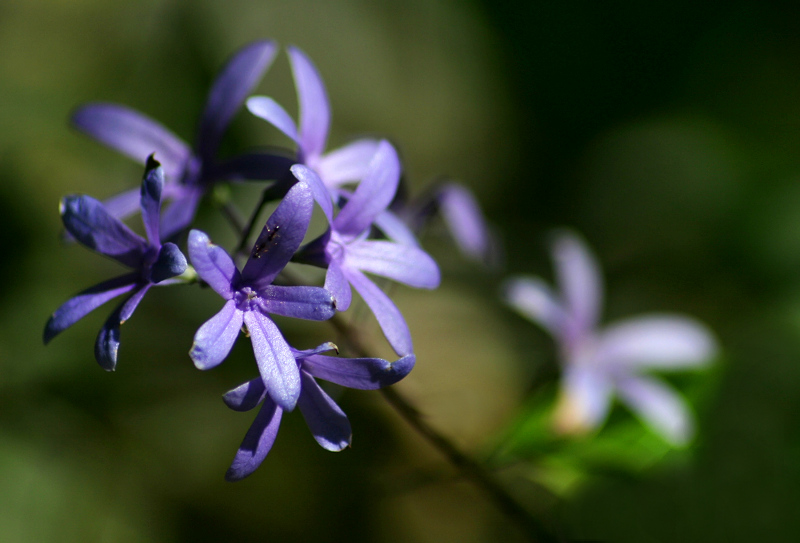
(251,297)
(324,418)
(189,171)
(91,224)
(347,253)
(600,362)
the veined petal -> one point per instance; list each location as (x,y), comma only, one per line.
(276,363)
(213,264)
(152,185)
(257,442)
(271,111)
(464,219)
(325,419)
(389,317)
(659,407)
(280,238)
(346,164)
(257,166)
(360,373)
(89,222)
(585,400)
(395,229)
(656,341)
(339,287)
(318,188)
(84,302)
(579,279)
(215,338)
(299,302)
(106,346)
(246,396)
(373,195)
(180,213)
(236,80)
(315,113)
(531,297)
(403,263)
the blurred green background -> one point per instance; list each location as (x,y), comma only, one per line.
(666,132)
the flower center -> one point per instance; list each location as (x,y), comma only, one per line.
(245,299)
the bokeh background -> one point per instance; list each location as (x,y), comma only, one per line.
(667,133)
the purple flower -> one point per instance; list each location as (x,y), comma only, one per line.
(251,297)
(598,363)
(324,418)
(347,253)
(189,171)
(343,165)
(89,222)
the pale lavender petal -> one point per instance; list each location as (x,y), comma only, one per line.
(313,101)
(132,134)
(531,297)
(236,80)
(318,189)
(215,338)
(268,109)
(374,193)
(246,396)
(360,373)
(89,222)
(86,301)
(325,419)
(464,219)
(257,442)
(395,229)
(389,317)
(403,263)
(299,302)
(276,363)
(213,264)
(180,213)
(656,341)
(579,280)
(254,166)
(346,164)
(150,198)
(339,287)
(280,238)
(585,401)
(106,347)
(170,263)
(659,407)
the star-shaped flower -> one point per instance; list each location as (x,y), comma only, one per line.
(91,224)
(345,250)
(189,171)
(598,363)
(324,418)
(251,297)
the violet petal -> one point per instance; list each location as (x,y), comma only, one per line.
(268,109)
(313,102)
(579,281)
(299,302)
(464,219)
(213,264)
(325,419)
(246,396)
(215,338)
(170,263)
(180,213)
(360,373)
(346,164)
(318,188)
(534,299)
(339,287)
(276,363)
(257,442)
(395,229)
(106,346)
(659,407)
(403,263)
(150,197)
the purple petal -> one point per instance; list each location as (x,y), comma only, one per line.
(150,197)
(327,422)
(464,219)
(106,346)
(323,348)
(533,299)
(658,407)
(86,301)
(585,399)
(215,338)
(661,341)
(374,193)
(339,287)
(280,238)
(213,264)
(236,80)
(276,363)
(403,263)
(257,442)
(318,189)
(180,213)
(313,101)
(124,204)
(246,396)
(395,229)
(89,222)
(346,164)
(312,303)
(268,109)
(132,134)
(579,280)
(389,317)
(170,263)
(360,373)
(259,166)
